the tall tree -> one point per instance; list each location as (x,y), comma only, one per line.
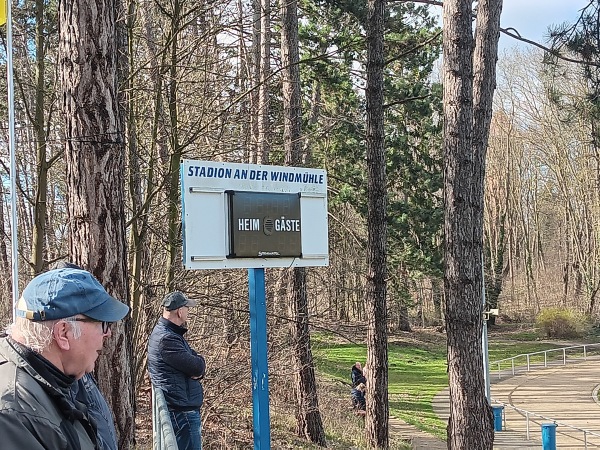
(95,181)
(412,142)
(376,425)
(469,73)
(173,230)
(263,135)
(39,229)
(582,39)
(308,416)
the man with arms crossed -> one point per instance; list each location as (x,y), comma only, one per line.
(63,317)
(176,369)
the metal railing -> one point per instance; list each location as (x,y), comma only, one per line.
(540,359)
(530,417)
(162,430)
(544,359)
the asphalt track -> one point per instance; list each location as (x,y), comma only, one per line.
(561,394)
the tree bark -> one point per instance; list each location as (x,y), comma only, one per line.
(376,425)
(95,182)
(469,83)
(255,51)
(264,140)
(41,192)
(173,231)
(308,416)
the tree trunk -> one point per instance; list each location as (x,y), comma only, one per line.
(376,425)
(4,263)
(403,319)
(95,181)
(255,80)
(469,82)
(140,204)
(264,140)
(41,192)
(308,417)
(175,151)
(309,422)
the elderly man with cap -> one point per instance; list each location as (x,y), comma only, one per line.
(63,317)
(176,369)
(86,391)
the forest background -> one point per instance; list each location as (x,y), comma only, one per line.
(209,80)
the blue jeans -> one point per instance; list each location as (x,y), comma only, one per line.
(187,428)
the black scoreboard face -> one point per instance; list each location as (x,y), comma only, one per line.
(264,225)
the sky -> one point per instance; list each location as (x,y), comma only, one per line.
(531,18)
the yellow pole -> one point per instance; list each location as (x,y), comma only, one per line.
(2,12)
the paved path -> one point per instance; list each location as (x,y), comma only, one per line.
(512,438)
(565,394)
(418,439)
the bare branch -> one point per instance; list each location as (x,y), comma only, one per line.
(553,52)
(513,33)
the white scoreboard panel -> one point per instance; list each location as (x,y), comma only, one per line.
(251,216)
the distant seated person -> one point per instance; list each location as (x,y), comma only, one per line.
(357,375)
(358,399)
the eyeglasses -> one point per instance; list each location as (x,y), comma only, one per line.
(105,325)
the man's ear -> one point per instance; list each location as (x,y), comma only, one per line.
(59,333)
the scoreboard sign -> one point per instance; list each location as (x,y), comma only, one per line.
(264,225)
(251,216)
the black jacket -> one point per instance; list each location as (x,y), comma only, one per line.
(357,376)
(36,413)
(172,363)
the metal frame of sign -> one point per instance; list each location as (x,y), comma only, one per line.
(208,242)
(206,214)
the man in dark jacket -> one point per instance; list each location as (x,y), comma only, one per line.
(176,369)
(358,399)
(357,375)
(62,319)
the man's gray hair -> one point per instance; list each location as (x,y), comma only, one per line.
(38,335)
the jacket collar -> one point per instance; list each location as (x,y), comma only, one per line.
(172,326)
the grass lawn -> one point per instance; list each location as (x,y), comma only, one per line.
(417,370)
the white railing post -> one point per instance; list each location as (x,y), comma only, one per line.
(163,434)
(526,413)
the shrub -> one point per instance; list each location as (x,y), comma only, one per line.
(562,323)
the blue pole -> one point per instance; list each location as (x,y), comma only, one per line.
(548,436)
(258,350)
(498,410)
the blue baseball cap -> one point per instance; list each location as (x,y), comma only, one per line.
(66,292)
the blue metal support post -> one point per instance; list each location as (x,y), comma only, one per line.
(498,416)
(258,349)
(548,436)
